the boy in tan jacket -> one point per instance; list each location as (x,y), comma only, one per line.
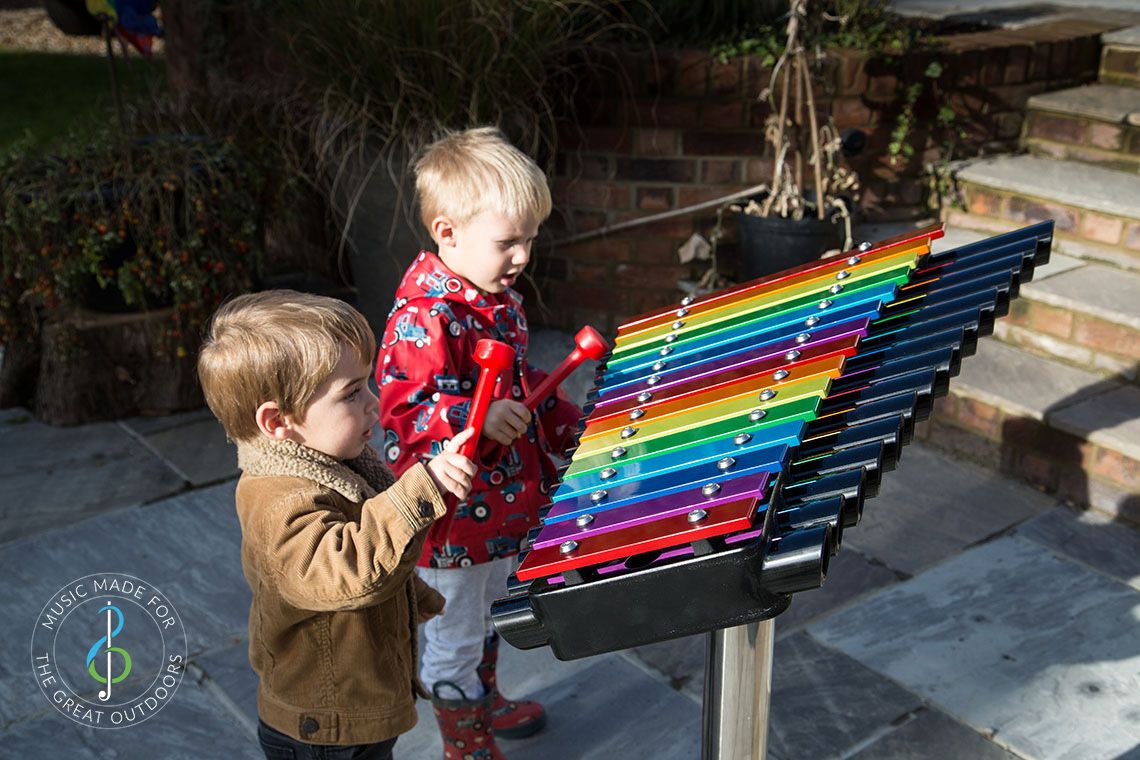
(329,536)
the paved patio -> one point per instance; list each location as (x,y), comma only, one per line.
(967,616)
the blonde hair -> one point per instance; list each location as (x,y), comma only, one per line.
(465,173)
(278,345)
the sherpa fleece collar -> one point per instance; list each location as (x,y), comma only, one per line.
(354,479)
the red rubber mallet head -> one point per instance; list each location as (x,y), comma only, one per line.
(492,357)
(589,344)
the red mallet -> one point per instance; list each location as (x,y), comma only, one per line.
(492,357)
(589,345)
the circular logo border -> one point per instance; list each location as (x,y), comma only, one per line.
(148,693)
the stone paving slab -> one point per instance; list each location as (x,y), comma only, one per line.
(186,546)
(932,507)
(1108,419)
(1011,640)
(850,576)
(191,726)
(1024,384)
(1107,102)
(1091,538)
(52,476)
(824,702)
(916,738)
(144,426)
(1101,291)
(1069,182)
(199,451)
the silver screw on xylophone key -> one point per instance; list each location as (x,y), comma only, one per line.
(757,415)
(811,321)
(666,351)
(628,432)
(584,520)
(767,394)
(836,288)
(637,414)
(567,546)
(842,274)
(618,452)
(742,438)
(644,396)
(865,246)
(653,380)
(697,515)
(686,300)
(670,337)
(725,463)
(825,303)
(854,260)
(710,489)
(803,338)
(597,496)
(779,374)
(682,312)
(659,365)
(607,473)
(792,355)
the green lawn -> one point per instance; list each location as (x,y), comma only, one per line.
(47,94)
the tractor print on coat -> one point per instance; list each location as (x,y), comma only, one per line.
(426,373)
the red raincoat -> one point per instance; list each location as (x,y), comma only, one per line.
(426,373)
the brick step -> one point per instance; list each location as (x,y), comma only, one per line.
(1096,210)
(1085,315)
(1096,124)
(1065,430)
(1120,57)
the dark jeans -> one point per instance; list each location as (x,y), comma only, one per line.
(278,746)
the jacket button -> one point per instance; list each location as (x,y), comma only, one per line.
(309,726)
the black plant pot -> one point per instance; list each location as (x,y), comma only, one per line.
(773,244)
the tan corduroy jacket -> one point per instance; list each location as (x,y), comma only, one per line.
(328,549)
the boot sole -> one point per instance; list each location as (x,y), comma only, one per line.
(523,731)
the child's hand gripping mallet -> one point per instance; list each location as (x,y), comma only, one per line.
(589,345)
(492,357)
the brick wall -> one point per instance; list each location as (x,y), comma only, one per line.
(656,133)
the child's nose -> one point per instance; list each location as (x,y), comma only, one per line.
(522,256)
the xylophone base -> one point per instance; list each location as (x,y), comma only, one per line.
(738,690)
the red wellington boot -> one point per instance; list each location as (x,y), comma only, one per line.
(465,725)
(512,720)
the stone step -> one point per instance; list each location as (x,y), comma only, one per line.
(1086,315)
(1066,430)
(1120,57)
(1096,124)
(1096,210)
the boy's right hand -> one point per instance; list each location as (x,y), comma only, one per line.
(451,471)
(506,420)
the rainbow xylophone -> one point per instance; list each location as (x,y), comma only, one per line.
(730,440)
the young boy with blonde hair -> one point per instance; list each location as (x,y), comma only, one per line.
(329,535)
(482,200)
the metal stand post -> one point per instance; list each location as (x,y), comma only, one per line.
(738,689)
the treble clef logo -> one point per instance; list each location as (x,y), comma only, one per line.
(92,653)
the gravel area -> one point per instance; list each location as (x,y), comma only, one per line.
(29,28)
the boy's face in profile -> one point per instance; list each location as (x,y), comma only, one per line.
(490,250)
(342,412)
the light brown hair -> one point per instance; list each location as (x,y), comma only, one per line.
(277,345)
(465,173)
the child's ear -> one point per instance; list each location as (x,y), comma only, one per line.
(272,422)
(443,231)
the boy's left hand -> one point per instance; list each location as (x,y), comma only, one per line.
(506,420)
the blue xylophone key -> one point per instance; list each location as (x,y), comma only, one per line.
(771,458)
(680,459)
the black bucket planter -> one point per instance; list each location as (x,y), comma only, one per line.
(773,244)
